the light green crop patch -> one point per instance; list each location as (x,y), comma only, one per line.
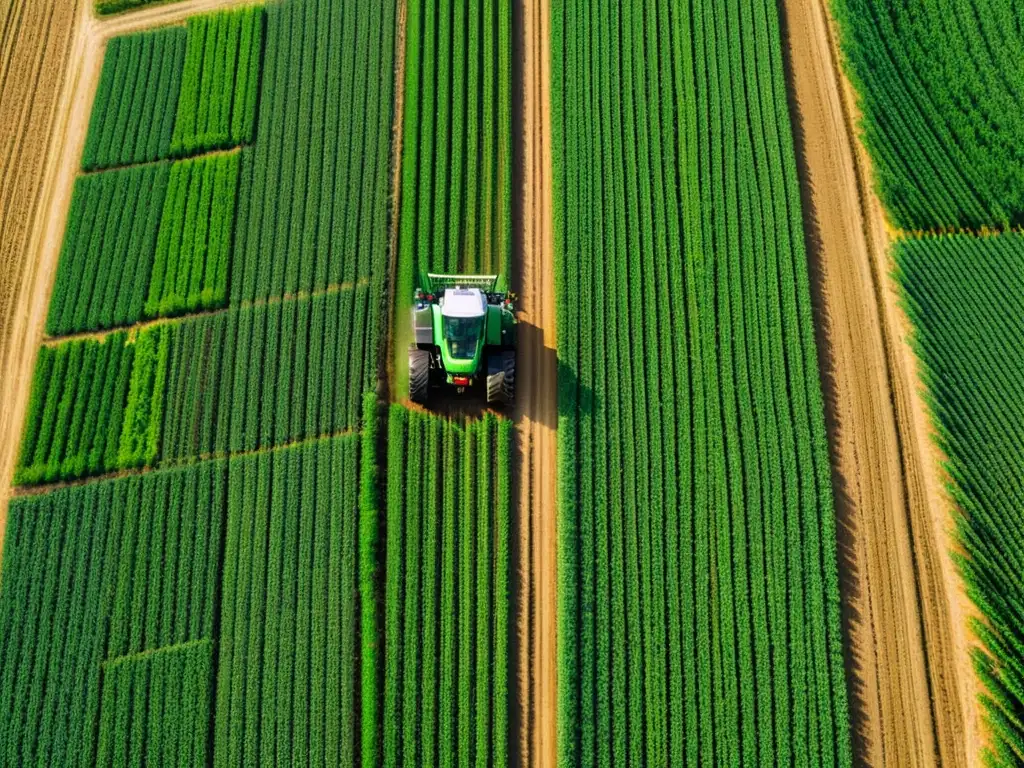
(191,262)
(220,82)
(156,707)
(143,415)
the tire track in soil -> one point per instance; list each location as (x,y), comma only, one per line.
(534,714)
(908,674)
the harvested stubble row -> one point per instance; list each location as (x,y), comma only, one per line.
(965,297)
(446,602)
(698,589)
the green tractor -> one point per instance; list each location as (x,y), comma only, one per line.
(464,336)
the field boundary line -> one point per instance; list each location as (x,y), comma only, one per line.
(143,325)
(917,447)
(24,491)
(169,160)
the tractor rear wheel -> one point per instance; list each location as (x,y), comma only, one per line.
(419,376)
(501,378)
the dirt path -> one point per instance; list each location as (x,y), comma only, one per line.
(536,396)
(37,178)
(907,666)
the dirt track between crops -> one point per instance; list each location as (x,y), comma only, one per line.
(43,122)
(536,395)
(904,612)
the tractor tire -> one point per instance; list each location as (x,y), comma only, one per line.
(419,376)
(501,379)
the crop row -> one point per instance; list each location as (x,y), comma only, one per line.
(457,140)
(942,116)
(146,242)
(94,407)
(270,374)
(92,573)
(190,265)
(220,81)
(239,380)
(155,708)
(313,207)
(105,7)
(112,593)
(965,298)
(173,92)
(446,602)
(105,265)
(133,112)
(288,661)
(698,588)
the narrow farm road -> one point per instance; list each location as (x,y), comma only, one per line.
(42,179)
(911,688)
(537,395)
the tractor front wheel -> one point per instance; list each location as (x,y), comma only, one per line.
(419,376)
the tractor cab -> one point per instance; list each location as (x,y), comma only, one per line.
(464,336)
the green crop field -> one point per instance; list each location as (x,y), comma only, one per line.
(227,249)
(231,540)
(940,84)
(698,591)
(457,141)
(447,600)
(965,297)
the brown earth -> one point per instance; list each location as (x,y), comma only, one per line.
(38,42)
(51,52)
(536,395)
(909,677)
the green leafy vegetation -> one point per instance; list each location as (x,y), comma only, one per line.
(313,207)
(457,141)
(76,408)
(698,588)
(155,708)
(940,85)
(288,653)
(446,601)
(90,574)
(194,242)
(108,251)
(965,297)
(133,114)
(220,81)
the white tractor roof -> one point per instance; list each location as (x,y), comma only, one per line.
(463,302)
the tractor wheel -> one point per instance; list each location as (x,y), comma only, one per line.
(419,376)
(501,378)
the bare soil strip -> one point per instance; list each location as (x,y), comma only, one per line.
(908,671)
(536,397)
(49,113)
